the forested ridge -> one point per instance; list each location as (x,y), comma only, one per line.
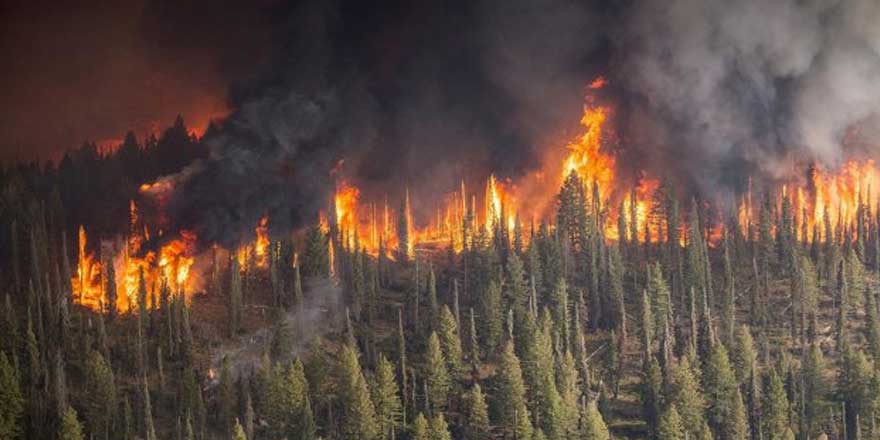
(767,330)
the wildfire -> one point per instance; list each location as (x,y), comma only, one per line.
(261,246)
(168,267)
(586,157)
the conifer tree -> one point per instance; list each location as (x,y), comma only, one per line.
(100,397)
(12,403)
(775,407)
(358,413)
(855,386)
(386,398)
(238,432)
(235,293)
(517,286)
(421,430)
(593,427)
(439,428)
(738,426)
(744,355)
(315,259)
(70,428)
(403,226)
(477,425)
(719,383)
(226,398)
(450,342)
(436,374)
(686,396)
(513,414)
(149,428)
(570,393)
(815,389)
(474,343)
(490,313)
(111,289)
(670,427)
(652,391)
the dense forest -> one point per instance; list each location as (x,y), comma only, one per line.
(770,331)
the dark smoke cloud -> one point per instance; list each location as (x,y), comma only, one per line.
(425,94)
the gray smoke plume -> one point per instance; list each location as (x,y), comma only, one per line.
(709,92)
(749,86)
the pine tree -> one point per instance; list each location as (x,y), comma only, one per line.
(815,389)
(315,259)
(477,425)
(70,429)
(101,396)
(12,403)
(855,385)
(517,285)
(686,396)
(738,426)
(719,383)
(490,312)
(450,342)
(110,288)
(421,430)
(238,432)
(439,428)
(474,343)
(593,427)
(403,239)
(235,293)
(149,428)
(386,398)
(652,391)
(670,427)
(775,407)
(358,413)
(744,355)
(514,417)
(436,374)
(226,398)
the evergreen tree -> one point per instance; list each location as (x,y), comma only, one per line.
(738,426)
(149,428)
(652,392)
(686,396)
(235,295)
(477,425)
(815,389)
(490,313)
(593,427)
(450,342)
(358,413)
(100,405)
(436,374)
(70,428)
(719,383)
(226,398)
(386,398)
(421,430)
(744,355)
(514,417)
(12,403)
(238,432)
(670,427)
(315,259)
(775,407)
(439,428)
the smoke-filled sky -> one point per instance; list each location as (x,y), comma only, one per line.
(707,91)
